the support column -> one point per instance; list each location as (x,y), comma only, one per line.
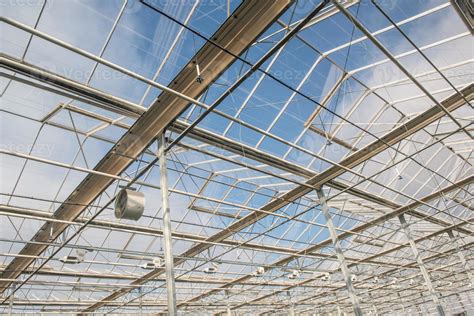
(10,307)
(340,255)
(461,256)
(421,265)
(229,311)
(461,303)
(168,246)
(401,303)
(292,310)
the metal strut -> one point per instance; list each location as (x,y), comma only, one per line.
(168,243)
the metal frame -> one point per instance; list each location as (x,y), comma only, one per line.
(227,227)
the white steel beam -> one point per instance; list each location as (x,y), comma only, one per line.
(167,234)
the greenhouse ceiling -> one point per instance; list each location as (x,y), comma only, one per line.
(227,157)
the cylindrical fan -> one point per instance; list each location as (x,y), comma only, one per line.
(129,204)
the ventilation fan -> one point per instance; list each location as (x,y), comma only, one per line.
(129,204)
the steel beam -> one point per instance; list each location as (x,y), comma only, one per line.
(183,279)
(167,233)
(340,255)
(421,265)
(236,34)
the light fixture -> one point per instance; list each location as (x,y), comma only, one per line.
(259,271)
(74,259)
(326,276)
(199,78)
(70,259)
(151,265)
(148,266)
(210,270)
(294,274)
(157,262)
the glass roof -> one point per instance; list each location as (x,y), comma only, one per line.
(379,124)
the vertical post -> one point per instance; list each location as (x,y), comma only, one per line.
(461,256)
(141,300)
(340,255)
(461,303)
(168,247)
(401,302)
(10,309)
(229,311)
(420,311)
(292,310)
(421,265)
